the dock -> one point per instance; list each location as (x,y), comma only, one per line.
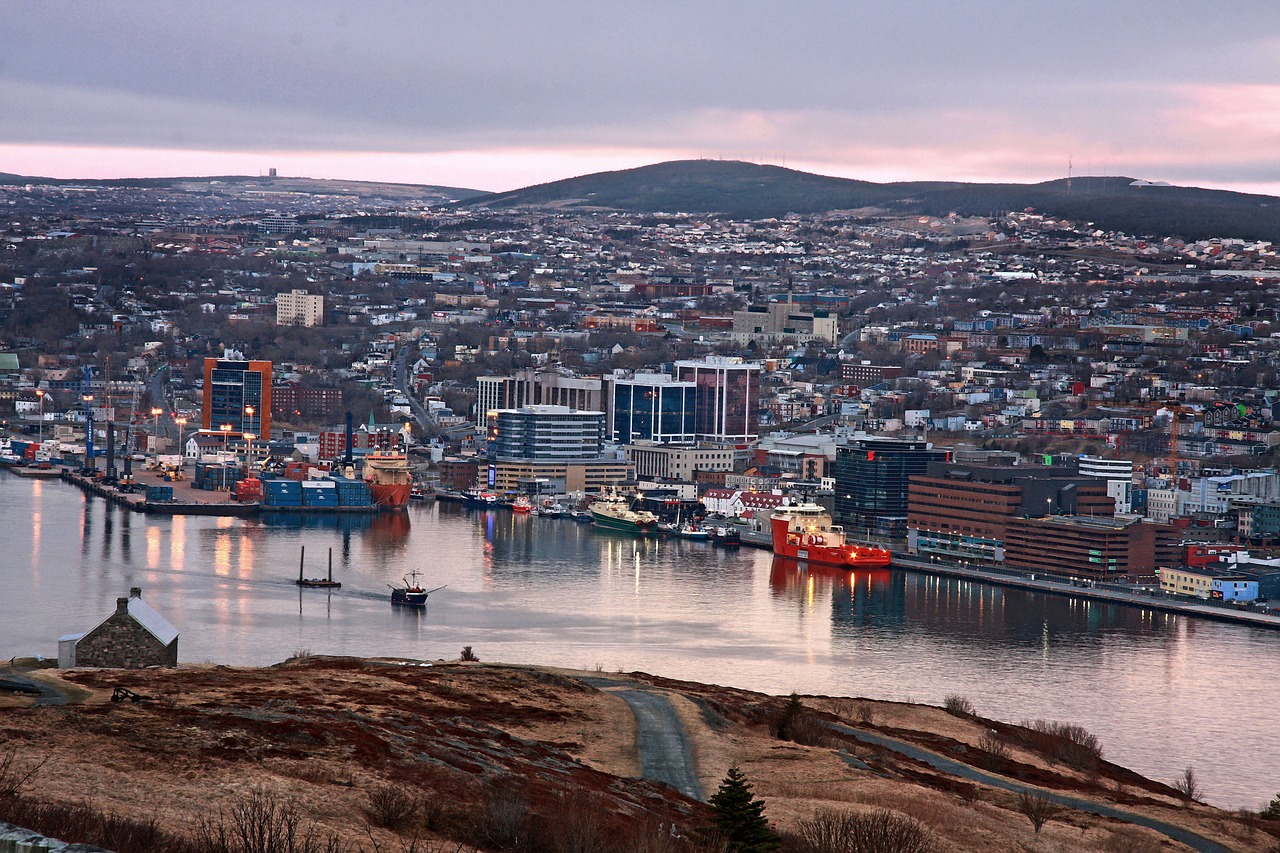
(192,502)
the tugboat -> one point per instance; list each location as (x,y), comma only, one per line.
(317,583)
(521,505)
(805,532)
(729,537)
(411,594)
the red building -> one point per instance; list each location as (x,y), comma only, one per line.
(292,401)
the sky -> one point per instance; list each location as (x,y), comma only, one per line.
(507,93)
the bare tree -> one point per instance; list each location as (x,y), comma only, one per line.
(1038,809)
(1188,785)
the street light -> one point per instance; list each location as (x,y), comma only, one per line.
(182,450)
(248,410)
(248,454)
(155,432)
(40,392)
(226,435)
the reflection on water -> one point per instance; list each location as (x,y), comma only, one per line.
(524,588)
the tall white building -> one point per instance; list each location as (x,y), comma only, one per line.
(1119,476)
(299,308)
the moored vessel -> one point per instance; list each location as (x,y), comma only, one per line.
(806,532)
(387,473)
(521,505)
(614,512)
(729,537)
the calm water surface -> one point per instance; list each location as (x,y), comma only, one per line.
(1162,691)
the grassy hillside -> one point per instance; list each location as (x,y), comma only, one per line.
(751,191)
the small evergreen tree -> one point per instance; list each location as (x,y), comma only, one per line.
(739,816)
(1272,811)
(789,713)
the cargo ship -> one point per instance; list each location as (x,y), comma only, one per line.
(805,532)
(612,511)
(387,473)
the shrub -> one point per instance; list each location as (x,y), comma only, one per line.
(467,654)
(866,713)
(16,773)
(1073,745)
(881,831)
(995,752)
(958,705)
(262,823)
(392,807)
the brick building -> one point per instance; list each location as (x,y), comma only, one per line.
(1098,549)
(459,473)
(290,401)
(964,511)
(135,636)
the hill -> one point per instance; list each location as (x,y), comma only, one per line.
(399,755)
(747,190)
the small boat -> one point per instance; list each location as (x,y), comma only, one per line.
(317,583)
(521,505)
(419,492)
(729,537)
(480,497)
(411,594)
(552,509)
(581,515)
(689,530)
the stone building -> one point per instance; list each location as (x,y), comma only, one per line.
(134,636)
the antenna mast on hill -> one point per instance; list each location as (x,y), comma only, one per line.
(1068,174)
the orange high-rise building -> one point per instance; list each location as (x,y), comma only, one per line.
(237,393)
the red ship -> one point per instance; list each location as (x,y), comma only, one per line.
(387,473)
(805,532)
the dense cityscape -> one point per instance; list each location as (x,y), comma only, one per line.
(1111,396)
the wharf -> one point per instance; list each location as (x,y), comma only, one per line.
(1017,580)
(193,501)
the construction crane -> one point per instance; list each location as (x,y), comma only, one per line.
(126,478)
(86,396)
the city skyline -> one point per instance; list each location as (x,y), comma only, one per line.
(495,96)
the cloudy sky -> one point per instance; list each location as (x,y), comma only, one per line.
(497,95)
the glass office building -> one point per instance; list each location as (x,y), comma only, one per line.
(654,407)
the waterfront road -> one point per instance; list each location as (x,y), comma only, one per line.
(665,752)
(1227,613)
(965,771)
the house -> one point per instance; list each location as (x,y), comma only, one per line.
(134,636)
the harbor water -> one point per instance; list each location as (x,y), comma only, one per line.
(1162,691)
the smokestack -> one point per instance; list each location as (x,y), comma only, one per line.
(348,460)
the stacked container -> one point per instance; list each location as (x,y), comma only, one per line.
(353,492)
(216,477)
(282,493)
(321,494)
(159,493)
